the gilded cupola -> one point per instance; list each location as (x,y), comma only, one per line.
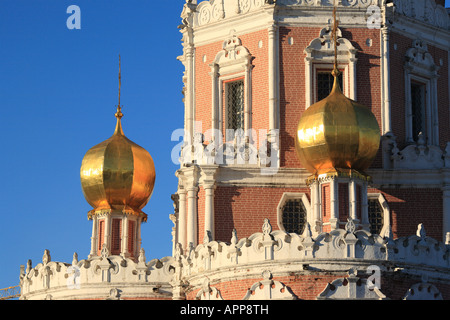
(337,134)
(117,174)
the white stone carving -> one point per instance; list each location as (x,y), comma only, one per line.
(268,250)
(320,3)
(423,291)
(425,10)
(93,277)
(269,289)
(351,287)
(418,156)
(208,292)
(215,10)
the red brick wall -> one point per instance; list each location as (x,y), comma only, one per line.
(308,287)
(410,207)
(305,287)
(245,209)
(203,80)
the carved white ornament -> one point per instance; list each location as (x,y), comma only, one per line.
(424,10)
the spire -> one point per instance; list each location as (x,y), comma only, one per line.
(119,114)
(335,71)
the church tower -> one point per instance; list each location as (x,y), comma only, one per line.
(254,67)
(117,178)
(266,150)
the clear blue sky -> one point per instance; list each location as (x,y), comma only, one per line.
(58,92)
(58,96)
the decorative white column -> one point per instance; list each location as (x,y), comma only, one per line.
(215,101)
(352,75)
(94,237)
(182,218)
(309,79)
(386,88)
(334,204)
(192,216)
(353,200)
(315,199)
(273,77)
(190,81)
(124,250)
(248,101)
(209,208)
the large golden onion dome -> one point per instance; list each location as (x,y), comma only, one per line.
(337,134)
(117,174)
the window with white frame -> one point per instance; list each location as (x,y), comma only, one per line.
(235,102)
(378,214)
(418,110)
(293,211)
(421,74)
(319,60)
(231,86)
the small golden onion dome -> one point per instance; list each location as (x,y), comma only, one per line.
(117,174)
(337,134)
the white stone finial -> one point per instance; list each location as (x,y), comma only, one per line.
(75,258)
(267,227)
(234,238)
(141,257)
(350,226)
(207,238)
(421,231)
(46,257)
(105,252)
(307,232)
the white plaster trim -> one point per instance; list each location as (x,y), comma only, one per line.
(293,196)
(386,211)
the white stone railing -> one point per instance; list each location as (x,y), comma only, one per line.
(338,245)
(114,277)
(102,277)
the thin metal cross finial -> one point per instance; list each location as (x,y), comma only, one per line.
(334,37)
(120,80)
(119,107)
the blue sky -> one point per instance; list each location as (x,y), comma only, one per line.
(58,94)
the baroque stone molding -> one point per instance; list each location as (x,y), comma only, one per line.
(419,156)
(350,288)
(92,278)
(426,11)
(216,10)
(336,245)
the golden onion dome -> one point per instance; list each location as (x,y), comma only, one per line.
(117,174)
(337,134)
